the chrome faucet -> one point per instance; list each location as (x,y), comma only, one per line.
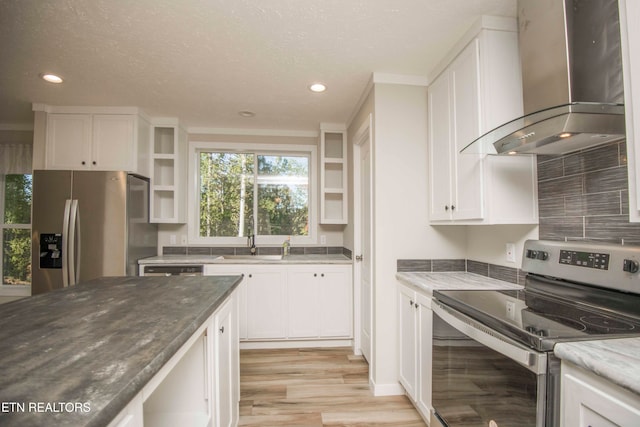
(251,242)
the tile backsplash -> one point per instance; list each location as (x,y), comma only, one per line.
(261,250)
(584,196)
(508,274)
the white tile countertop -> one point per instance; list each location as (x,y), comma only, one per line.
(452,280)
(616,360)
(219,259)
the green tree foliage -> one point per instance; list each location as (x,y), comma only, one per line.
(17,205)
(223,203)
(227,194)
(16,262)
(283,203)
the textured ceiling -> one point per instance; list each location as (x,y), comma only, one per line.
(205,60)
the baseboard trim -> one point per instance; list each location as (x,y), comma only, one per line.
(253,345)
(386,389)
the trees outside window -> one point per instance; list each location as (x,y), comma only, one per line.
(245,193)
(15,221)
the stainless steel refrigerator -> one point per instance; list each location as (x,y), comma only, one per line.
(88,224)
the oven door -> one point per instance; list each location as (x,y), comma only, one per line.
(481,378)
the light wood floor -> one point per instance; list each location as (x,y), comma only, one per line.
(315,387)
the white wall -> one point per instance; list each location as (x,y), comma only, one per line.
(487,243)
(400,211)
(401,230)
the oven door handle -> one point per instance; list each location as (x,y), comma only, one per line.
(532,360)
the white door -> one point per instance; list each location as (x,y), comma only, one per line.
(366,265)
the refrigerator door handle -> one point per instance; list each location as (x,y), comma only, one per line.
(65,243)
(74,224)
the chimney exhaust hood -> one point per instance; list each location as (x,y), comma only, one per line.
(572,80)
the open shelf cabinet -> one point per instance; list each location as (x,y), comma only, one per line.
(168,172)
(333,176)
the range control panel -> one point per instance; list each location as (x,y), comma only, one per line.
(585,259)
(599,264)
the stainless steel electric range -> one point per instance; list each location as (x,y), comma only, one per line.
(493,362)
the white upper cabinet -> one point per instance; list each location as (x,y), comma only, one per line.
(479,88)
(168,172)
(86,138)
(630,40)
(333,175)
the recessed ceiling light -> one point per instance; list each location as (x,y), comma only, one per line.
(247,113)
(317,87)
(51,78)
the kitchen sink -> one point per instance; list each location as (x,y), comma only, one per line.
(252,257)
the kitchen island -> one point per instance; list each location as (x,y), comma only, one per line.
(78,356)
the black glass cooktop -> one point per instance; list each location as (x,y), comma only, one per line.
(548,311)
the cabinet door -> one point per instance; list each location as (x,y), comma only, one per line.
(302,292)
(266,303)
(440,171)
(468,177)
(68,141)
(335,302)
(113,142)
(408,340)
(588,400)
(241,294)
(425,339)
(226,367)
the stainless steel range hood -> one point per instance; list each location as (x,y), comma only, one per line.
(572,80)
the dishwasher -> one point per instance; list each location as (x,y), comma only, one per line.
(172,270)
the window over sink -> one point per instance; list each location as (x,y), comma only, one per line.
(244,189)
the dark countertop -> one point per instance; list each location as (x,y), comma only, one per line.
(94,346)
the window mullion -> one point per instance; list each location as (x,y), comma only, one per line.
(255,194)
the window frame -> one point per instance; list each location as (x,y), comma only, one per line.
(193,211)
(10,290)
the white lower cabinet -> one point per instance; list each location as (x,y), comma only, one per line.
(292,302)
(320,302)
(199,385)
(415,323)
(589,401)
(262,299)
(226,368)
(266,302)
